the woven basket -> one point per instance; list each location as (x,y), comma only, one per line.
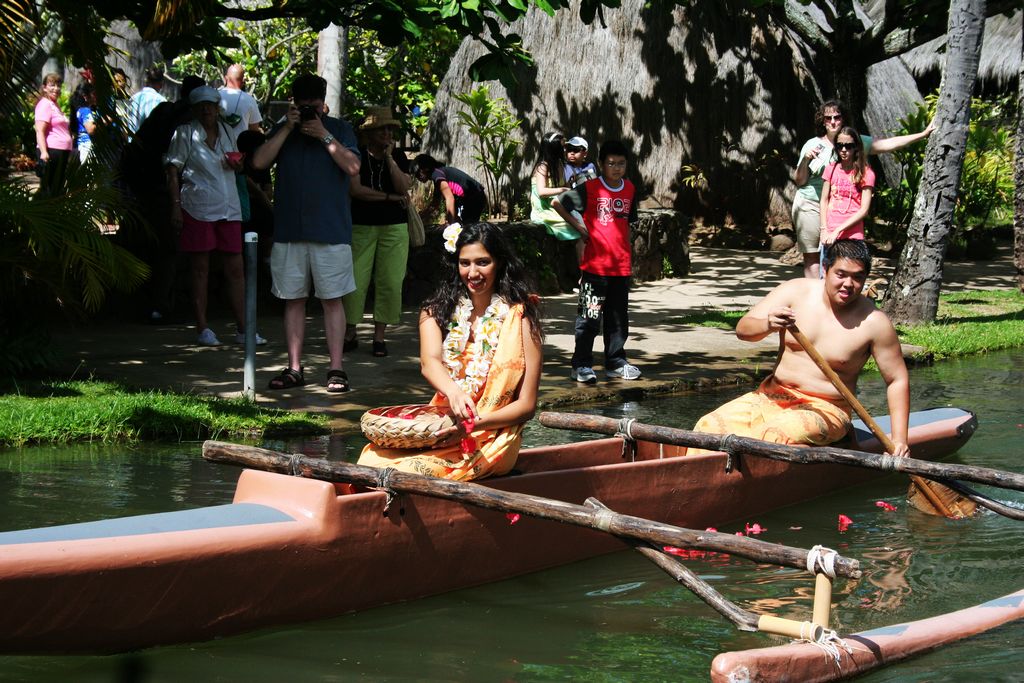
(405,426)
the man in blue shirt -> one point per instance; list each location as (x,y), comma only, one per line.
(315,155)
(145,101)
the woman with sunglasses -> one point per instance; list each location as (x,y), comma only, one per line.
(815,155)
(846,191)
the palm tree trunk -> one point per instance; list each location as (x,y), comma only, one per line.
(913,294)
(330,65)
(1018,174)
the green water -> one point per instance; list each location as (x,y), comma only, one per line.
(615,618)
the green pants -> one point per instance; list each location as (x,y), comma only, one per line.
(380,251)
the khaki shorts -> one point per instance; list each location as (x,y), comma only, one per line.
(806,223)
(294,266)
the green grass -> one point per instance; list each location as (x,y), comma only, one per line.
(65,412)
(971,322)
(967,323)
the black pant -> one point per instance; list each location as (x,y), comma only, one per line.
(603,298)
(468,209)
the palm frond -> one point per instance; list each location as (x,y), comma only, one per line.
(56,242)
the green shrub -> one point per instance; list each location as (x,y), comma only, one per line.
(985,199)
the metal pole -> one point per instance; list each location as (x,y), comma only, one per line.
(249,373)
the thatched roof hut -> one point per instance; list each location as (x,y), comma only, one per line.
(1000,53)
(727,94)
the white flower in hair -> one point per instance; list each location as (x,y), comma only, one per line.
(451,236)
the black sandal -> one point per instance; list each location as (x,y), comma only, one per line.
(380,349)
(337,382)
(287,379)
(351,344)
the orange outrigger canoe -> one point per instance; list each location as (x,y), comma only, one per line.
(289,549)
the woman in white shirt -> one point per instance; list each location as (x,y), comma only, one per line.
(201,163)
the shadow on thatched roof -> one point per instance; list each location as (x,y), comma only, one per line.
(1000,52)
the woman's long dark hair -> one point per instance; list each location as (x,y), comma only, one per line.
(552,153)
(79,98)
(425,161)
(510,282)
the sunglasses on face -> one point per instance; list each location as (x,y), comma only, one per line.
(571,148)
(833,117)
(845,145)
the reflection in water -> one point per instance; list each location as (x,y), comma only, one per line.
(887,572)
(561,624)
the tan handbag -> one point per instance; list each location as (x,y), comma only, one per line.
(417,235)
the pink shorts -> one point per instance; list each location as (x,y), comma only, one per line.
(199,236)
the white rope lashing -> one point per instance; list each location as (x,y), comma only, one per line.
(820,558)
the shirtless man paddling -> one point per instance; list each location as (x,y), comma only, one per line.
(797,403)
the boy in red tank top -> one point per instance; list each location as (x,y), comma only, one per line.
(608,206)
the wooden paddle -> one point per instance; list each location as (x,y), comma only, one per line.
(926,496)
(623,526)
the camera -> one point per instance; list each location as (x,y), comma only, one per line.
(307,112)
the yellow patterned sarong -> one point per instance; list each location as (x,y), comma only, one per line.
(779,414)
(496,451)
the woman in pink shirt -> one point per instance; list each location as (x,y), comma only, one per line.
(53,138)
(846,190)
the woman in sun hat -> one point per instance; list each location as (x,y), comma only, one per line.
(380,232)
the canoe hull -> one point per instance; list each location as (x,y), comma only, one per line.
(868,650)
(289,550)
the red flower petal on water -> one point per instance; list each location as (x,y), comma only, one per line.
(740,533)
(888,507)
(512,517)
(672,550)
(755,529)
(711,528)
(844,522)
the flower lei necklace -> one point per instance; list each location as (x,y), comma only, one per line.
(470,372)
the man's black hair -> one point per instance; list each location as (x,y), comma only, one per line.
(611,147)
(188,84)
(309,87)
(854,250)
(154,75)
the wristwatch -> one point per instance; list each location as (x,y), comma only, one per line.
(327,139)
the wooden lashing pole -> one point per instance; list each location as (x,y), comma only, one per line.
(744,620)
(806,455)
(623,526)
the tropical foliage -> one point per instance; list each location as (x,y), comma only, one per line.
(985,200)
(274,51)
(53,255)
(491,125)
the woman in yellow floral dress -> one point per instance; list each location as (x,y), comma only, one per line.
(480,348)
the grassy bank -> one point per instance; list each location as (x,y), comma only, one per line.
(64,412)
(966,323)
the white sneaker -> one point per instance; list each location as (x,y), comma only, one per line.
(627,371)
(207,338)
(240,339)
(584,375)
